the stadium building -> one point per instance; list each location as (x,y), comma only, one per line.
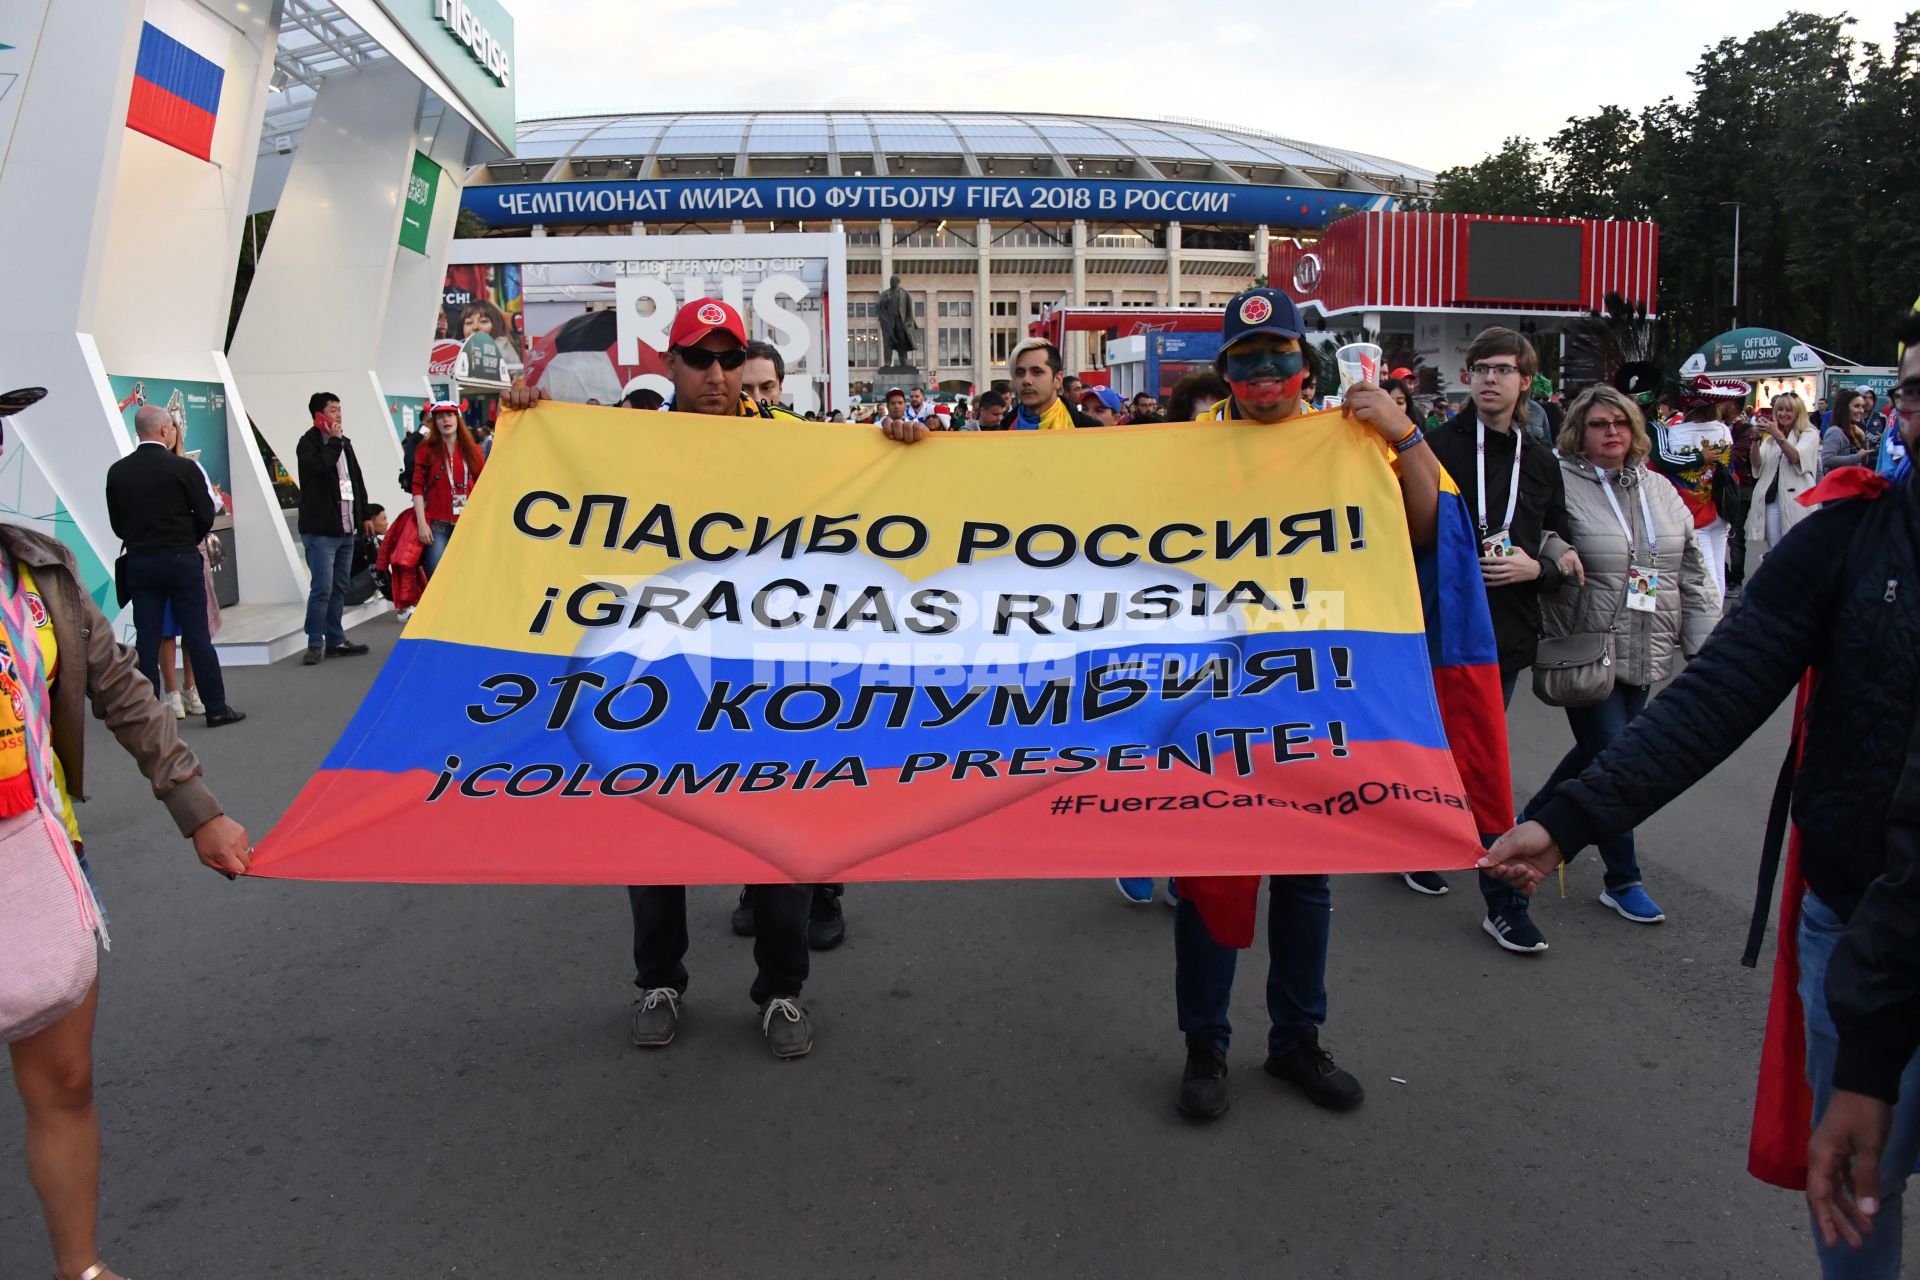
(987,219)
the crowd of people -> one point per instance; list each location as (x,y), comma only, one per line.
(1603,524)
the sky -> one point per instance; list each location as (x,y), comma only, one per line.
(1434,83)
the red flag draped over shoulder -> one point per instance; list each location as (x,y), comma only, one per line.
(1782,1102)
(1466,681)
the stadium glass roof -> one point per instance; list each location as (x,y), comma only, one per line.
(984,135)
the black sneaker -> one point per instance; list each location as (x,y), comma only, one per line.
(826,924)
(1514,930)
(348,650)
(1427,882)
(743,913)
(224,716)
(1203,1085)
(312,657)
(656,1017)
(784,1023)
(1313,1070)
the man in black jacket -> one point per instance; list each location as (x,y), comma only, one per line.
(706,358)
(159,505)
(333,505)
(1841,594)
(1512,485)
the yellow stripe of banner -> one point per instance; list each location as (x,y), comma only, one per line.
(1326,475)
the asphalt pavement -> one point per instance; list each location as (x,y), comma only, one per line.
(377,1081)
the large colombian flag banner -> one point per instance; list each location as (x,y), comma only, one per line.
(674,649)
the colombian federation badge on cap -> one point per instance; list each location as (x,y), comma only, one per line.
(711,314)
(1255,310)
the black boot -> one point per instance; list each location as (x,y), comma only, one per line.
(1313,1071)
(1203,1085)
(826,924)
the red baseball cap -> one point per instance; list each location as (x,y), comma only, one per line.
(1401,373)
(703,316)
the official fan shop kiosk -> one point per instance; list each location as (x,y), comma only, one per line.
(1772,362)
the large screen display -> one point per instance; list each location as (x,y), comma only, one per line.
(1523,262)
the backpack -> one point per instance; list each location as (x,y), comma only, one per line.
(408,448)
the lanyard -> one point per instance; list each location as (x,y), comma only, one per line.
(1646,515)
(1480,475)
(460,489)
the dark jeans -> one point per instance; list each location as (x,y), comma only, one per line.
(430,558)
(1879,1258)
(1497,893)
(1593,728)
(1299,920)
(330,561)
(779,937)
(154,582)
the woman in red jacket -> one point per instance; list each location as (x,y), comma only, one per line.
(446,466)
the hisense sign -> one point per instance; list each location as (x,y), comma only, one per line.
(472,32)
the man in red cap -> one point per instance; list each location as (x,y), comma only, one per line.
(706,352)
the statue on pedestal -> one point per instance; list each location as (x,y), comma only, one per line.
(895,313)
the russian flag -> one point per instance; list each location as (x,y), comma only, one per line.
(176,94)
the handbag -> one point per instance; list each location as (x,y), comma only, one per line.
(47,954)
(49,916)
(1577,670)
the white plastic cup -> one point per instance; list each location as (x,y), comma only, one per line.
(1358,362)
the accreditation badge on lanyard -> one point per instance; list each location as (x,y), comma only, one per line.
(1643,580)
(458,491)
(1500,541)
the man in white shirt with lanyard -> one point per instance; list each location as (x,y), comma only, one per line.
(1513,487)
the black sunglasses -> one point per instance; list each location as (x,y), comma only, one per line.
(701,358)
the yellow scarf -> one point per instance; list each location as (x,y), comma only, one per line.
(1056,418)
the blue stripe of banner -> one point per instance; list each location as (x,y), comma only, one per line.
(414,717)
(1453,592)
(170,65)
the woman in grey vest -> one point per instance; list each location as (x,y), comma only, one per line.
(1645,580)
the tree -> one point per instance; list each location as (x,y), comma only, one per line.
(1511,180)
(1807,129)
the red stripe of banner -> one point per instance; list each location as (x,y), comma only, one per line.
(169,118)
(933,828)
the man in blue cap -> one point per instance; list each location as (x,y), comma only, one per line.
(1265,366)
(1103,405)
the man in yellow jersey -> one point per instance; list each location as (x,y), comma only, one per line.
(1035,368)
(1265,366)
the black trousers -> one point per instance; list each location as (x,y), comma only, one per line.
(779,937)
(153,582)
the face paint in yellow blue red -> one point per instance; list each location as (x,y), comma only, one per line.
(1265,371)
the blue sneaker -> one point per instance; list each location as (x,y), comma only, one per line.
(1138,889)
(1173,893)
(1633,903)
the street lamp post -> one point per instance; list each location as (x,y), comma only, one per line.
(1736,261)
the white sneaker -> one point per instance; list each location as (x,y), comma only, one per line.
(401,615)
(173,701)
(194,706)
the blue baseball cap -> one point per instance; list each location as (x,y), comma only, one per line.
(1107,396)
(1260,311)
